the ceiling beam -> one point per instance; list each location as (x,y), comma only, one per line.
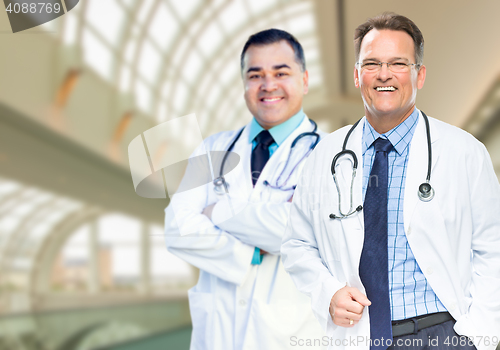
(37,156)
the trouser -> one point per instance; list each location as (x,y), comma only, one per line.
(438,337)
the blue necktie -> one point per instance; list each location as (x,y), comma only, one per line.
(373,266)
(260,154)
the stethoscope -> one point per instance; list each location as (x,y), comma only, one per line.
(425,190)
(221,186)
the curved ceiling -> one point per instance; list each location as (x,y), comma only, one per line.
(173,58)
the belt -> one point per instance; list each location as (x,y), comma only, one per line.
(414,324)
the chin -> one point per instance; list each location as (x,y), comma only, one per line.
(385,109)
(270,119)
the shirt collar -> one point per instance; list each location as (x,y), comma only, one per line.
(279,132)
(400,136)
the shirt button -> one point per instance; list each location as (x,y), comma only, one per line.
(243,302)
(430,270)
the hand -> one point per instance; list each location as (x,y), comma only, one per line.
(348,304)
(208,211)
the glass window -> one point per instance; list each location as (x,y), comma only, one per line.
(184,8)
(130,50)
(106,17)
(71,268)
(149,62)
(144,11)
(260,6)
(125,79)
(192,68)
(7,187)
(181,94)
(143,96)
(302,24)
(233,16)
(167,269)
(315,76)
(230,73)
(70,28)
(182,50)
(163,27)
(97,55)
(210,39)
(161,115)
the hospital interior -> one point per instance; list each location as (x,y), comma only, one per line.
(83,261)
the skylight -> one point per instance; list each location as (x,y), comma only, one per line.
(106,17)
(175,57)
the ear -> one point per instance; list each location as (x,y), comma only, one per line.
(421,77)
(356,78)
(306,82)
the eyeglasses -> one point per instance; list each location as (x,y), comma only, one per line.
(395,67)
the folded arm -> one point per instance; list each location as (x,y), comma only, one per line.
(193,237)
(258,224)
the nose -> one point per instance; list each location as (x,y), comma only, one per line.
(269,84)
(384,72)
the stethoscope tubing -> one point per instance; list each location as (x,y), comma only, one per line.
(220,181)
(425,191)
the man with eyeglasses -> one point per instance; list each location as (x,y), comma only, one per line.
(401,271)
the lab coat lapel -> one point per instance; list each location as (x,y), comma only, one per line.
(417,167)
(353,226)
(242,173)
(344,171)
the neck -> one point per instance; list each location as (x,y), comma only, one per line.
(382,123)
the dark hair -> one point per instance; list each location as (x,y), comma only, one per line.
(271,36)
(391,21)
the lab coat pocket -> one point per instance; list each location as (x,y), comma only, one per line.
(201,307)
(284,324)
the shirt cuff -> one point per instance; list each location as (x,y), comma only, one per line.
(257,257)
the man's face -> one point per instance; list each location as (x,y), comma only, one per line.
(274,83)
(396,102)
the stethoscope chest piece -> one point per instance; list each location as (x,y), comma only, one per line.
(425,192)
(220,185)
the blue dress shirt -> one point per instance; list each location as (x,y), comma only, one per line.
(410,294)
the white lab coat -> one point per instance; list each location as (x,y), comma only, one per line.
(236,305)
(455,237)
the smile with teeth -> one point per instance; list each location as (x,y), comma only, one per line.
(385,88)
(270,99)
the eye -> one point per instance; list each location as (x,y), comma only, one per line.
(254,76)
(399,64)
(369,65)
(281,74)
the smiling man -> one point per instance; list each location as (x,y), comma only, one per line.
(244,299)
(407,255)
